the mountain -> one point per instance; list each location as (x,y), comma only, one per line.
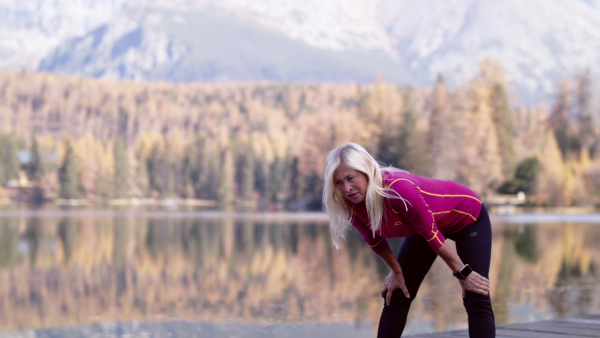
(209,43)
(540,42)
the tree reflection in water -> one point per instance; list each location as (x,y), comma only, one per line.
(86,269)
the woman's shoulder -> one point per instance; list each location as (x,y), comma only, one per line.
(391,177)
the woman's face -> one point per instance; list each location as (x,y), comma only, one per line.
(352,184)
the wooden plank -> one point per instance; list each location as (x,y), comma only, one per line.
(510,333)
(558,327)
(585,326)
(547,332)
(550,327)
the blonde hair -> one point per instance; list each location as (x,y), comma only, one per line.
(335,205)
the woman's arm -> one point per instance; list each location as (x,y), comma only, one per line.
(474,281)
(395,279)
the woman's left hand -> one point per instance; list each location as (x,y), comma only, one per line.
(475,283)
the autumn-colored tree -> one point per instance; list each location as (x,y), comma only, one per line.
(175,135)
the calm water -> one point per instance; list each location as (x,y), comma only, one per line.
(207,274)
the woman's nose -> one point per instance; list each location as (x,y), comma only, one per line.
(347,186)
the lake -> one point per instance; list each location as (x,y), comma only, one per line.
(125,273)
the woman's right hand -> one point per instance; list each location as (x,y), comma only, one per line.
(392,282)
(475,283)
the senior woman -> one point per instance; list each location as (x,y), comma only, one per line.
(383,202)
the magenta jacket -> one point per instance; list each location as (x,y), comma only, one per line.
(433,208)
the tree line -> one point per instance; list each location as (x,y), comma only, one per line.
(249,143)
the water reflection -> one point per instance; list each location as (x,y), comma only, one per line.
(62,269)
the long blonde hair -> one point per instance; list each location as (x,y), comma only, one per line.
(334,204)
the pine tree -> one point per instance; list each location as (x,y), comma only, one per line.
(68,175)
(142,180)
(276,179)
(260,177)
(194,166)
(211,171)
(296,182)
(9,157)
(586,131)
(502,118)
(226,190)
(408,129)
(560,118)
(155,171)
(121,179)
(35,168)
(248,177)
(442,132)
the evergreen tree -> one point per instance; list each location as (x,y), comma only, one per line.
(121,179)
(276,179)
(586,130)
(248,175)
(187,185)
(142,180)
(35,168)
(155,171)
(408,129)
(524,178)
(211,171)
(226,190)
(296,182)
(502,118)
(442,134)
(560,118)
(69,177)
(193,169)
(260,177)
(9,161)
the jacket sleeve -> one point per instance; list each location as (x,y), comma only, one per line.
(377,243)
(417,212)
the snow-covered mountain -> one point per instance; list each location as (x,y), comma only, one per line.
(31,29)
(538,41)
(406,41)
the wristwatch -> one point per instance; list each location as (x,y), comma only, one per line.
(464,272)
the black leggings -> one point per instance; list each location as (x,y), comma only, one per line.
(474,245)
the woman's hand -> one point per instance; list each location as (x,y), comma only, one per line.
(392,282)
(475,283)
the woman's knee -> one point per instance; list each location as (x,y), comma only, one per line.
(398,302)
(477,303)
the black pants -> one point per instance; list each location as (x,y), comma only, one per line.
(474,245)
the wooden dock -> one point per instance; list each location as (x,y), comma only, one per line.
(586,326)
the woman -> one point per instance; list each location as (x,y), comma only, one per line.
(389,202)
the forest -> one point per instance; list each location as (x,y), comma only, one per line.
(263,144)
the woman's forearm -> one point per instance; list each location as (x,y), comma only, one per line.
(450,256)
(390,259)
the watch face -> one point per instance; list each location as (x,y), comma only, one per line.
(466,270)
